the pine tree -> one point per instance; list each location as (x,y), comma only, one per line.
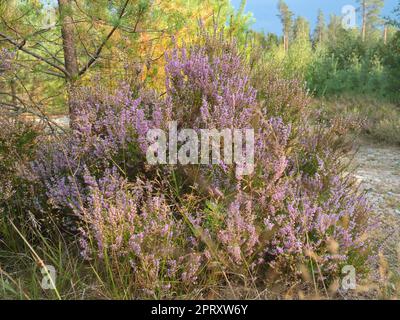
(286,18)
(301,29)
(320,29)
(395,21)
(334,28)
(240,23)
(370,11)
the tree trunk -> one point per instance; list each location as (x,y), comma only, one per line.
(385,34)
(70,56)
(13,92)
(364,20)
(286,42)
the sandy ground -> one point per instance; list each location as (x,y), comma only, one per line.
(377,168)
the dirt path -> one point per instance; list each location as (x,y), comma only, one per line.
(377,168)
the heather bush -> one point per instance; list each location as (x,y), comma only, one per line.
(17,147)
(18,197)
(287,99)
(6,58)
(133,223)
(172,226)
(109,131)
(210,87)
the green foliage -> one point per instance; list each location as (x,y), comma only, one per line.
(395,21)
(17,147)
(320,29)
(370,11)
(392,61)
(334,60)
(354,66)
(285,15)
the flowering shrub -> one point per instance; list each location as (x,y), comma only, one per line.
(239,234)
(110,130)
(6,58)
(134,222)
(208,90)
(285,98)
(172,225)
(17,147)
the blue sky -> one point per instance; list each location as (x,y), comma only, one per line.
(265,11)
